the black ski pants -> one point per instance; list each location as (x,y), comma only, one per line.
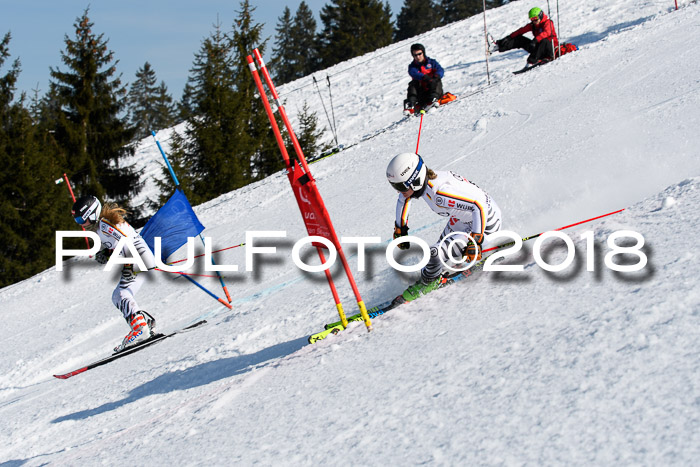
(537,50)
(423,92)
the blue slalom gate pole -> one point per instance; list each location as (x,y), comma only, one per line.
(205,289)
(167,162)
(177,186)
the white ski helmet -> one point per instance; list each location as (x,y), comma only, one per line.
(407,171)
(87,208)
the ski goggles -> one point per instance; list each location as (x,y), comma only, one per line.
(87,219)
(400,186)
(88,216)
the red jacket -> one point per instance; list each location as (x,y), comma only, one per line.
(544,30)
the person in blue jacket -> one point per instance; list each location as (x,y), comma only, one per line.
(426,74)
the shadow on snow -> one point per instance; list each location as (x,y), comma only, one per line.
(199,375)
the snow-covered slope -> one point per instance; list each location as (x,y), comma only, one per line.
(584,367)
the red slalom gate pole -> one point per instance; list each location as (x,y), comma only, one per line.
(319,204)
(70,188)
(72,195)
(560,228)
(270,113)
(290,168)
(420,127)
(282,112)
(203,254)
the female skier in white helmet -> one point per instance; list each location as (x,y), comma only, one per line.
(109,223)
(471,214)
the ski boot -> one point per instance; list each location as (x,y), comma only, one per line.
(409,107)
(421,288)
(141,330)
(434,103)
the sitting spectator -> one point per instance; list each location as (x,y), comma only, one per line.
(425,87)
(542,47)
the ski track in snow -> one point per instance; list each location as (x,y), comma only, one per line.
(576,367)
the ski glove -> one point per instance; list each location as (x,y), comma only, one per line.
(401,232)
(103,255)
(473,251)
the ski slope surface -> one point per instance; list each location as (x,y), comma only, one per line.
(585,366)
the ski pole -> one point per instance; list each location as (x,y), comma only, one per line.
(420,127)
(335,126)
(486,39)
(558,28)
(326,111)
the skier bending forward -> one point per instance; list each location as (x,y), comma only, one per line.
(109,223)
(469,208)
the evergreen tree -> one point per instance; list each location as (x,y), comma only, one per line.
(309,134)
(455,10)
(35,104)
(257,145)
(7,82)
(141,100)
(304,44)
(213,127)
(295,54)
(227,142)
(182,166)
(352,28)
(185,107)
(164,108)
(282,62)
(150,105)
(416,17)
(32,206)
(89,129)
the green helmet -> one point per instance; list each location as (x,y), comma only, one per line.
(535,13)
